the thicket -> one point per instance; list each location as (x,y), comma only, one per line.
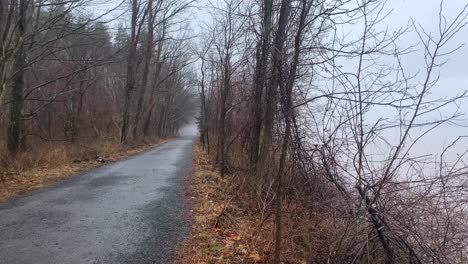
(309,111)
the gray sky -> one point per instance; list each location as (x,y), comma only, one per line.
(426,13)
(454,74)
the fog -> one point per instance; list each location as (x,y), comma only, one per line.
(189,130)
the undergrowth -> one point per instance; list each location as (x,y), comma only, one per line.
(227,227)
(49,162)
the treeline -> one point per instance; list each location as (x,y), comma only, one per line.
(309,104)
(66,74)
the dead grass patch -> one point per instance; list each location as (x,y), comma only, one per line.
(51,163)
(228,227)
(221,231)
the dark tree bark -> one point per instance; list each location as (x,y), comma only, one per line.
(204,137)
(131,66)
(222,121)
(156,83)
(286,95)
(148,56)
(271,95)
(263,52)
(16,105)
(6,18)
(79,107)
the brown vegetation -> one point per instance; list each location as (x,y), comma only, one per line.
(309,113)
(72,87)
(222,230)
(228,228)
(56,161)
(313,127)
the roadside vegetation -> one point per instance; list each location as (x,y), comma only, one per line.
(83,82)
(34,170)
(314,131)
(314,117)
(225,229)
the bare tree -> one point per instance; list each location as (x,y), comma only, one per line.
(338,118)
(58,66)
(14,132)
(131,71)
(263,52)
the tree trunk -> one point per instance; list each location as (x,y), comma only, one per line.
(144,81)
(147,124)
(155,91)
(279,186)
(203,114)
(271,95)
(130,84)
(79,108)
(6,17)
(16,106)
(288,113)
(259,80)
(224,100)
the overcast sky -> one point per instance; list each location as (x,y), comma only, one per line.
(454,74)
(426,13)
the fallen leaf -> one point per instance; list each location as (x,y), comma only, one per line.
(255,257)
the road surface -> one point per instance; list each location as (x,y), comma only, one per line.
(130,211)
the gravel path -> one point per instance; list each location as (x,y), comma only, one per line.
(131,211)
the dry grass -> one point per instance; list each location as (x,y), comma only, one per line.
(51,163)
(228,227)
(221,232)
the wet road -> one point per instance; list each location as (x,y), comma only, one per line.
(130,211)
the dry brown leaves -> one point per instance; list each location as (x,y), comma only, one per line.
(216,236)
(226,228)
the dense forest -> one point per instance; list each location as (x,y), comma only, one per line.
(67,76)
(307,108)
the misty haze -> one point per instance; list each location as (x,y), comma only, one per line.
(233,131)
